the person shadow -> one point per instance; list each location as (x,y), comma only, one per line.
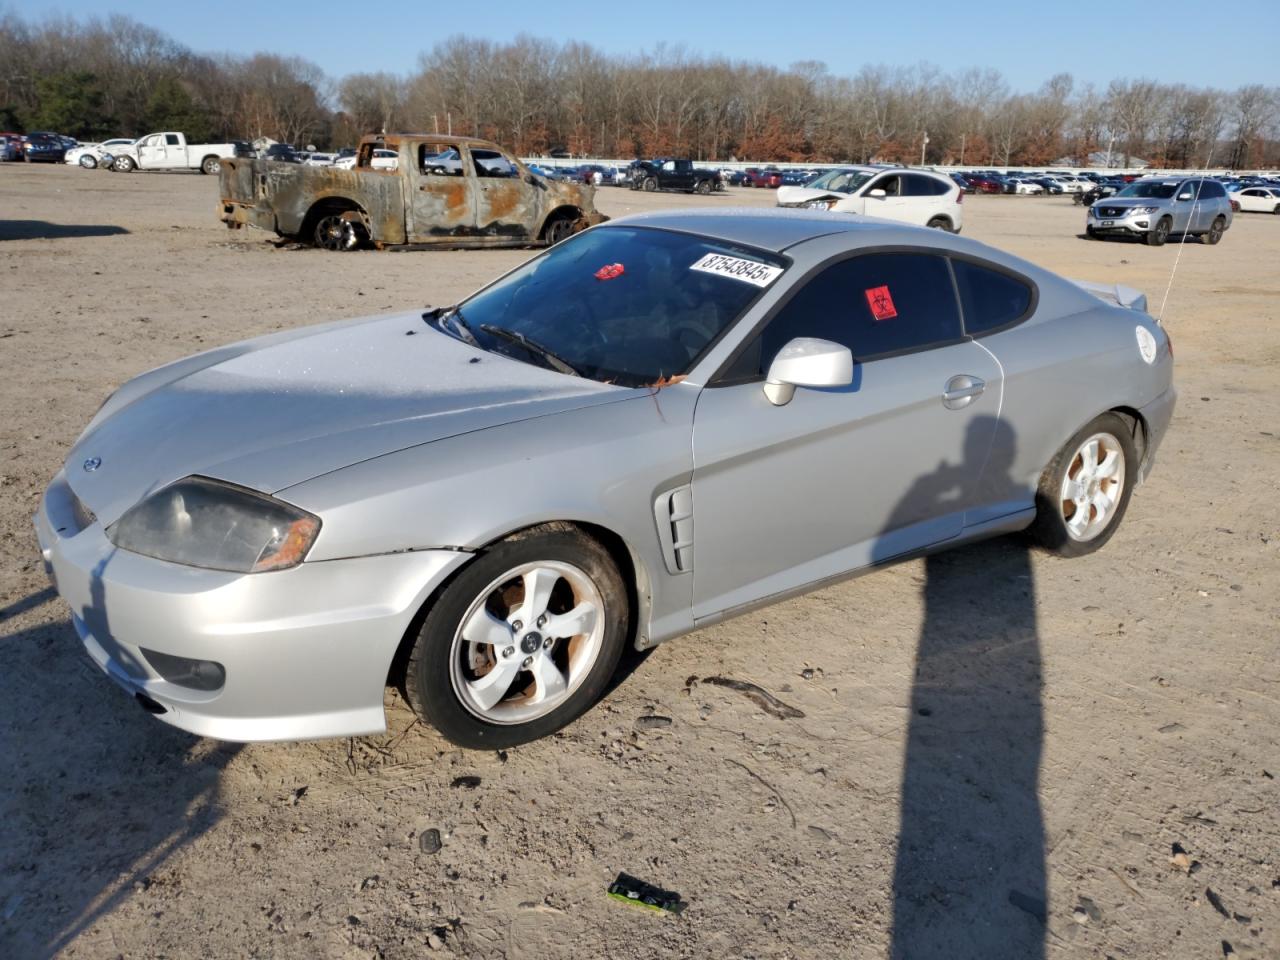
(969,872)
(101,800)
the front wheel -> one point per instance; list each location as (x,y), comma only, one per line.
(522,642)
(124,165)
(1084,491)
(1215,231)
(210,165)
(650,185)
(1158,234)
(557,230)
(88,162)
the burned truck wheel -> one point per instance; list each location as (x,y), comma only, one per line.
(339,232)
(556,230)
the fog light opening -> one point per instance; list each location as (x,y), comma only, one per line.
(203,675)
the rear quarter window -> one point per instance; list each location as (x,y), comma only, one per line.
(990,299)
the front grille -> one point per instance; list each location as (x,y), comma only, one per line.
(84,517)
(1112,211)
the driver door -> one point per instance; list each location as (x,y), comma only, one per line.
(893,205)
(844,477)
(442,196)
(152,154)
(507,204)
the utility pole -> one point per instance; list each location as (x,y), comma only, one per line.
(923,143)
(962,136)
(435,122)
(449,118)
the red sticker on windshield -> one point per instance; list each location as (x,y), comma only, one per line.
(881,304)
(609,271)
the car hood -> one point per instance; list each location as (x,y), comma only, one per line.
(795,196)
(272,414)
(1126,202)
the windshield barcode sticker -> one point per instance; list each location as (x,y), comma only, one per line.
(750,271)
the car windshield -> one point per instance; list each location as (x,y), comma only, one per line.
(1157,191)
(841,181)
(634,306)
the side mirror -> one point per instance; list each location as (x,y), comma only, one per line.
(807,362)
(877,193)
(1185,196)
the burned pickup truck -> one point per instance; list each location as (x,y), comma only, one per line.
(407,190)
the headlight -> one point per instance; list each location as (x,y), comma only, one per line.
(207,523)
(1143,210)
(821,204)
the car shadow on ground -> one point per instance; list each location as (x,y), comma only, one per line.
(98,797)
(969,873)
(43,230)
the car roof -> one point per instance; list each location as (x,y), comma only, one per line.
(768,229)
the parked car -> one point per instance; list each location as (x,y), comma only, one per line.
(1258,199)
(281,153)
(673,174)
(88,155)
(912,196)
(1154,208)
(380,159)
(171,151)
(44,148)
(267,584)
(962,182)
(318,159)
(11,146)
(1025,185)
(414,189)
(984,183)
(770,177)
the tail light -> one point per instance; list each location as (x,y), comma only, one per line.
(1235,206)
(959,196)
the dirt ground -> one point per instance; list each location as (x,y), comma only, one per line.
(1037,734)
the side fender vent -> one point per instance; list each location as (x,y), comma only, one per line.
(673,512)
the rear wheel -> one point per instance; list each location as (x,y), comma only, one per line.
(1276,211)
(522,642)
(1158,234)
(1215,231)
(703,187)
(650,184)
(210,165)
(1084,491)
(338,232)
(940,223)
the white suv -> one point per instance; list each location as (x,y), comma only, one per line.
(894,193)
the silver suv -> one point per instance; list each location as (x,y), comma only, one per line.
(1154,207)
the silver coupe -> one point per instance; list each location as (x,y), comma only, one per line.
(662,422)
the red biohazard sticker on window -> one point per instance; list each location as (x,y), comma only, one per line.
(610,270)
(881,304)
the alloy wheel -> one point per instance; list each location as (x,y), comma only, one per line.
(527,642)
(1092,486)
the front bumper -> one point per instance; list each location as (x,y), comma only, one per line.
(239,213)
(1129,225)
(305,651)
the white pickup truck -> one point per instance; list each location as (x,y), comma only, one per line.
(170,151)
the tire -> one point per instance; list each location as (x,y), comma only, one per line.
(557,230)
(1059,525)
(88,162)
(124,165)
(210,165)
(1216,230)
(703,187)
(1276,211)
(446,670)
(338,232)
(940,223)
(1158,234)
(1091,233)
(650,185)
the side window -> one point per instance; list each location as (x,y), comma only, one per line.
(440,160)
(891,185)
(990,299)
(1212,190)
(491,163)
(918,186)
(875,304)
(171,139)
(152,142)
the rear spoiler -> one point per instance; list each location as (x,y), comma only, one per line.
(1116,293)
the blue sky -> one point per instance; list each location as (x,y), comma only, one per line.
(1173,41)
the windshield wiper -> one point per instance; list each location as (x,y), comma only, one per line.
(532,346)
(451,317)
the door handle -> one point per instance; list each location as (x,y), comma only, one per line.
(961,391)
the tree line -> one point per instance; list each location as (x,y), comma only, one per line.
(99,77)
